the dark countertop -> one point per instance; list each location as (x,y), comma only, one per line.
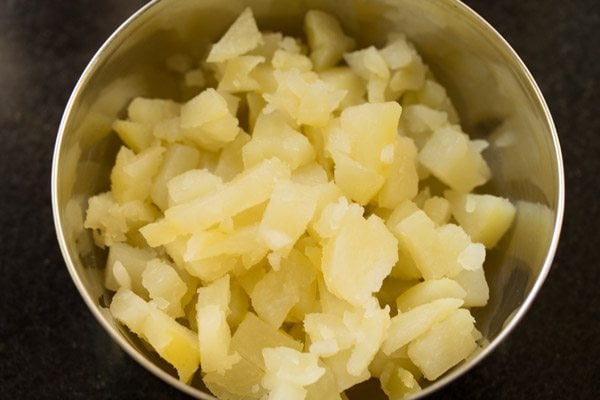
(51,346)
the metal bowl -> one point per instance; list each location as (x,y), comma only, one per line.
(495,95)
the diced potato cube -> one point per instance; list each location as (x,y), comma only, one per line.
(173,342)
(246,190)
(274,137)
(213,331)
(305,98)
(112,221)
(207,120)
(191,185)
(446,344)
(418,238)
(358,182)
(285,60)
(358,258)
(381,123)
(398,52)
(253,335)
(369,65)
(438,209)
(152,111)
(243,35)
(428,291)
(453,159)
(433,95)
(238,305)
(461,253)
(312,174)
(407,326)
(328,334)
(343,78)
(133,260)
(169,130)
(230,161)
(370,327)
(403,181)
(326,39)
(337,364)
(240,382)
(243,242)
(211,269)
(165,287)
(131,177)
(250,278)
(236,75)
(476,287)
(288,213)
(419,122)
(325,388)
(398,382)
(278,291)
(177,159)
(136,135)
(288,371)
(484,217)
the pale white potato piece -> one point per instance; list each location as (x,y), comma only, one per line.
(484,217)
(343,78)
(358,258)
(152,111)
(177,159)
(136,135)
(191,184)
(214,335)
(243,35)
(290,209)
(438,209)
(447,343)
(132,176)
(286,366)
(279,291)
(173,342)
(403,181)
(246,190)
(407,326)
(428,291)
(165,287)
(475,286)
(207,120)
(133,260)
(326,39)
(236,74)
(455,160)
(113,222)
(274,137)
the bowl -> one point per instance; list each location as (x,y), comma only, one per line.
(496,97)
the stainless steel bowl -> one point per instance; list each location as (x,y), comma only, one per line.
(496,97)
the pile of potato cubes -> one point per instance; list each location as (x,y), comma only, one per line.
(304,222)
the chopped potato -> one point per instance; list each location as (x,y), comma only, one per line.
(304,222)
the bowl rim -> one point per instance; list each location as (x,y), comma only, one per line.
(455,372)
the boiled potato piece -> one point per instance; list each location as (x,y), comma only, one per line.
(165,287)
(293,278)
(213,331)
(358,258)
(326,39)
(208,121)
(152,111)
(403,181)
(407,326)
(288,371)
(132,176)
(133,260)
(428,291)
(447,343)
(236,74)
(343,78)
(246,190)
(136,135)
(484,217)
(173,342)
(243,35)
(287,215)
(177,160)
(190,185)
(455,160)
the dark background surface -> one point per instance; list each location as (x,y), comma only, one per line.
(50,345)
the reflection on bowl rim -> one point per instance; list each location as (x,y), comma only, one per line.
(454,373)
